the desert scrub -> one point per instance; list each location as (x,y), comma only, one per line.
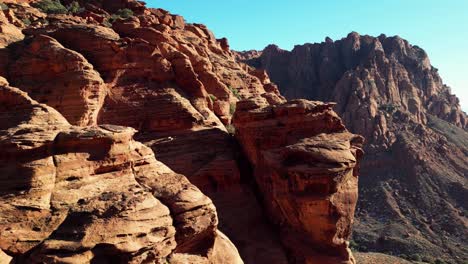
(26,21)
(415,257)
(231,129)
(389,108)
(3,6)
(50,7)
(353,245)
(74,8)
(235,92)
(232,108)
(121,14)
(212,97)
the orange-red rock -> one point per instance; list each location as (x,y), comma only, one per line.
(413,181)
(84,190)
(305,163)
(81,195)
(59,77)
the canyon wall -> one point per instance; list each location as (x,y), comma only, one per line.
(413,183)
(117,131)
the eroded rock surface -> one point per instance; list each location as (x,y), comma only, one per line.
(76,184)
(81,195)
(306,166)
(413,182)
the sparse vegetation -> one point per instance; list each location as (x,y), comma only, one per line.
(125,13)
(389,108)
(121,14)
(353,245)
(212,97)
(3,6)
(403,256)
(453,133)
(231,129)
(107,23)
(427,259)
(51,7)
(232,108)
(75,8)
(26,21)
(235,92)
(415,257)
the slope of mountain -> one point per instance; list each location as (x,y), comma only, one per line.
(413,185)
(114,122)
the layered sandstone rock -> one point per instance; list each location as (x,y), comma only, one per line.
(305,163)
(59,77)
(79,190)
(413,182)
(81,195)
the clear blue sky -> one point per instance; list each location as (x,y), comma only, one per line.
(438,26)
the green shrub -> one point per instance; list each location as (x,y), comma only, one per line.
(231,129)
(107,23)
(235,92)
(51,7)
(363,248)
(415,257)
(232,108)
(121,14)
(439,261)
(3,6)
(353,245)
(26,21)
(124,13)
(75,8)
(403,256)
(212,97)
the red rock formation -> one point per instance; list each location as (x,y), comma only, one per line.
(94,194)
(305,163)
(60,78)
(413,182)
(86,191)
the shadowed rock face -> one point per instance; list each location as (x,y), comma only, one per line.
(78,94)
(305,163)
(413,183)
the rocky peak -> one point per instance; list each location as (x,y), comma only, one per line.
(386,90)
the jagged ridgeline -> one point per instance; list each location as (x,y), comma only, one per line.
(131,136)
(413,184)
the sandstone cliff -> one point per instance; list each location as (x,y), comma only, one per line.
(413,183)
(93,194)
(306,166)
(114,126)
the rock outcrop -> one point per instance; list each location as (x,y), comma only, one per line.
(413,183)
(81,195)
(116,125)
(306,166)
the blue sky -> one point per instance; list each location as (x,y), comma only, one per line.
(440,27)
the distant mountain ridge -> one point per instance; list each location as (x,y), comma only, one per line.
(413,184)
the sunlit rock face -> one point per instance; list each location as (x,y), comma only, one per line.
(306,165)
(413,180)
(80,195)
(114,130)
